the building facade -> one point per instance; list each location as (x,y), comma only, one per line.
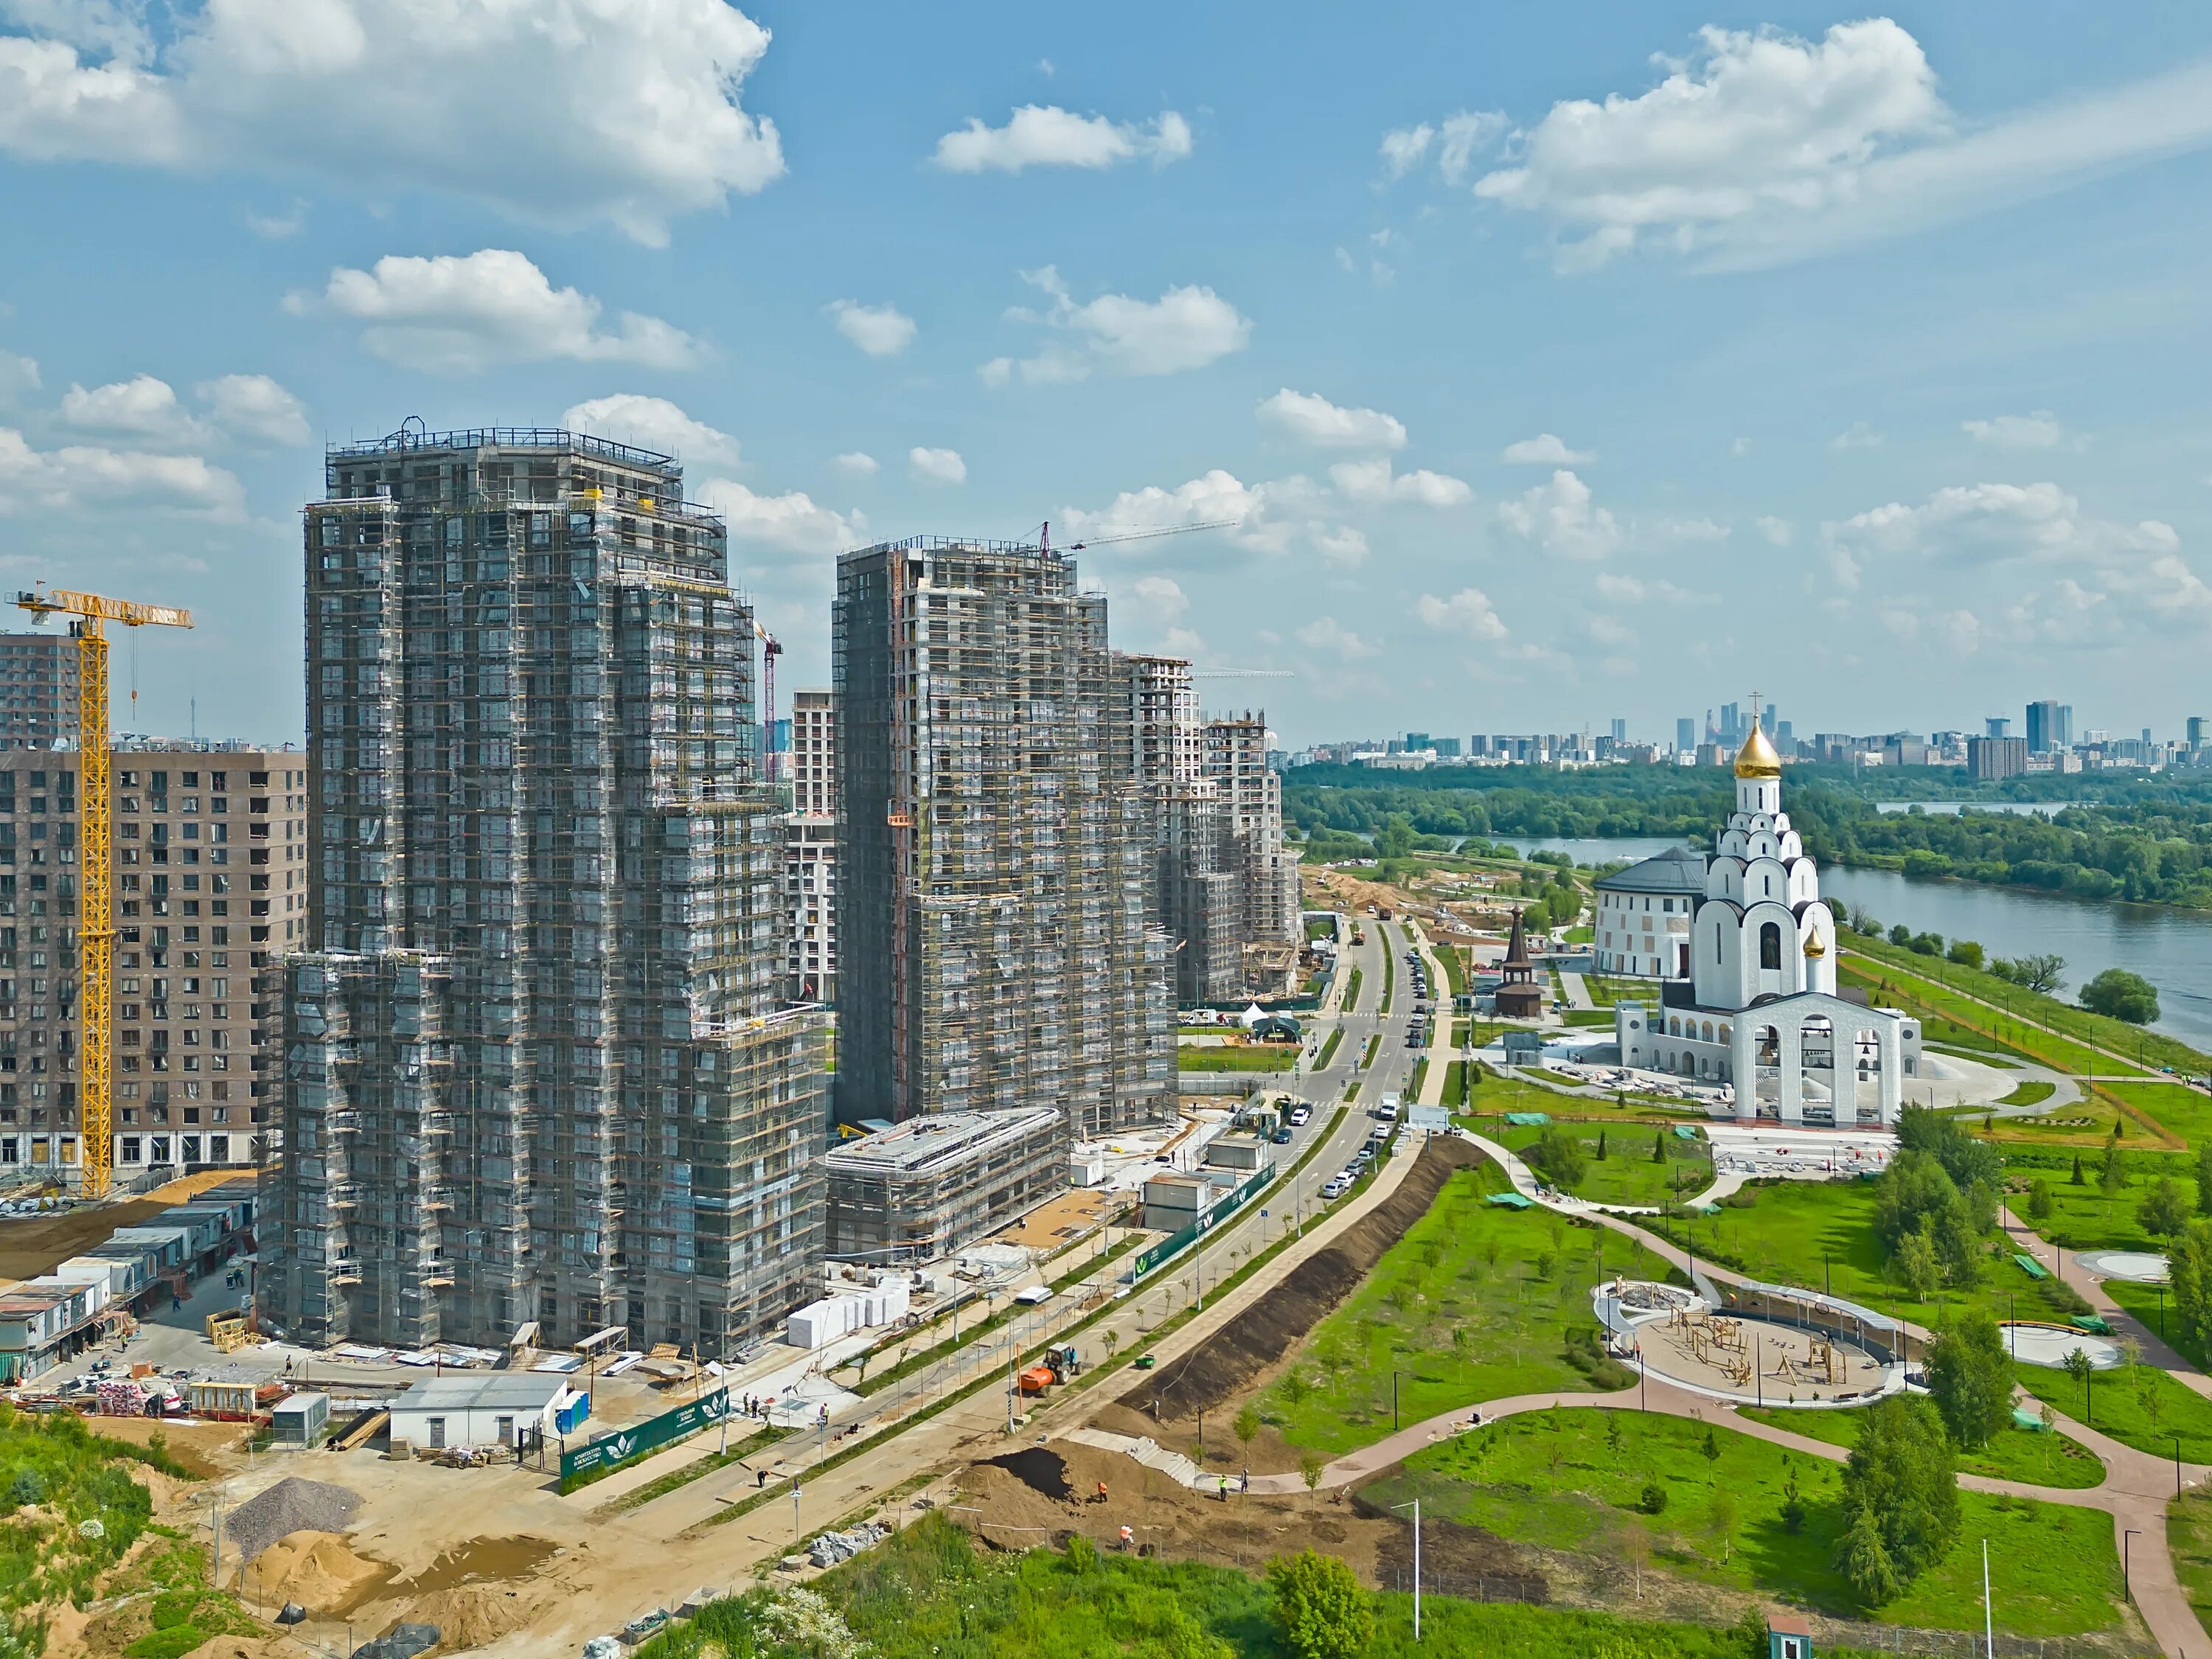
(539,1067)
(813,857)
(1643,924)
(38,689)
(996,945)
(209,847)
(919,1190)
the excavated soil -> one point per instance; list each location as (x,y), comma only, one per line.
(1043,1472)
(1171,1521)
(318,1570)
(1239,1356)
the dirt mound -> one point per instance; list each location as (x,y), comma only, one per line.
(1469,1562)
(1232,1359)
(291,1505)
(472,1615)
(1039,1470)
(318,1570)
(245,1647)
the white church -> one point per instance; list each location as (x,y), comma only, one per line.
(1758,1008)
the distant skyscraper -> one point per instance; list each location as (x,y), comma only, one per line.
(1999,757)
(1766,719)
(1998,725)
(1731,723)
(2197,726)
(38,689)
(537,1062)
(995,945)
(1416,741)
(1621,731)
(2062,736)
(1686,734)
(2042,726)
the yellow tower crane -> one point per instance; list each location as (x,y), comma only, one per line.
(95,931)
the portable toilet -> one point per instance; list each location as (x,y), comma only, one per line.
(1788,1636)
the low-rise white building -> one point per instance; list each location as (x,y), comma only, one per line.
(477,1410)
(1643,926)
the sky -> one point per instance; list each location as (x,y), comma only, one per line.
(1531,367)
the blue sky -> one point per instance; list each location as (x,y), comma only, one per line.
(1555,364)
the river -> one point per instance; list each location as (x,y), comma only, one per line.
(2172,949)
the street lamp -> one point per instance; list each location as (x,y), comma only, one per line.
(1416,1507)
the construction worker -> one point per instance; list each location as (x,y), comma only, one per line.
(1102,1492)
(1127,1538)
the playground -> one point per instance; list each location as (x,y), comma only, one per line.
(1736,1355)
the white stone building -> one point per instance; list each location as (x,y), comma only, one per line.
(1643,926)
(1759,1009)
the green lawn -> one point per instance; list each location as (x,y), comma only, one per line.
(2189,1539)
(2177,1107)
(2156,1313)
(1389,975)
(2033,1092)
(2138,1406)
(2041,1458)
(1453,958)
(1947,1016)
(1626,1175)
(1572,1480)
(930,1593)
(1352,993)
(1473,1304)
(1274,1057)
(1328,1049)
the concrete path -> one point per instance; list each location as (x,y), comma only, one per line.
(1579,994)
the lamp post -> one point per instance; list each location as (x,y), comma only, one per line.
(1416,1507)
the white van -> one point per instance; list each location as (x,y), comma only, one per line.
(1387,1111)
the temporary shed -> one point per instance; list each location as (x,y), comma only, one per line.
(301,1420)
(478,1409)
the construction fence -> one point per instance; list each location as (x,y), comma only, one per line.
(611,1451)
(1153,1255)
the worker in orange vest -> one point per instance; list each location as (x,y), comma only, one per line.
(1102,1492)
(1128,1537)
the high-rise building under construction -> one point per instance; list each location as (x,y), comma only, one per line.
(539,1066)
(995,945)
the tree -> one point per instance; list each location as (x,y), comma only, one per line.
(1598,1155)
(1900,934)
(2079,1368)
(2112,1174)
(1793,1501)
(1294,1386)
(1915,1262)
(1659,1146)
(1900,1497)
(1719,1523)
(2164,1211)
(2204,1177)
(1311,1467)
(1712,1446)
(1317,1607)
(2122,995)
(2041,974)
(1965,952)
(1247,1424)
(1557,1156)
(1970,1379)
(2040,1204)
(2075,1180)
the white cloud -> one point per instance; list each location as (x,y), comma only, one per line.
(1309,419)
(942,466)
(1185,328)
(457,314)
(631,418)
(17,376)
(1458,138)
(253,407)
(879,330)
(1212,499)
(278,227)
(1340,546)
(1326,633)
(563,112)
(83,478)
(1046,136)
(1561,518)
(1546,450)
(1371,481)
(1985,524)
(794,523)
(858,463)
(1779,533)
(1404,146)
(2040,430)
(1617,588)
(1765,146)
(142,407)
(1467,612)
(1857,436)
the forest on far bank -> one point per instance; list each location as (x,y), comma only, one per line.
(2142,839)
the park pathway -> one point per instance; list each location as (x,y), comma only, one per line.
(1579,994)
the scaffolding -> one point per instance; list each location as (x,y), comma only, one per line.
(539,1066)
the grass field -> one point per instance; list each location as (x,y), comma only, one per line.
(2040,1458)
(1573,1481)
(2156,1312)
(1473,1304)
(930,1593)
(1274,1057)
(1328,1049)
(1627,1175)
(1453,958)
(2178,1109)
(2138,1406)
(2189,1537)
(1390,976)
(2033,1092)
(2061,1019)
(1351,1003)
(2087,1218)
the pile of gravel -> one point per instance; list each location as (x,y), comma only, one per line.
(828,1549)
(290,1506)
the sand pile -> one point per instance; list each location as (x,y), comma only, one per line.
(246,1647)
(318,1570)
(472,1615)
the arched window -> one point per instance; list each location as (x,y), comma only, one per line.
(1709,1030)
(1770,945)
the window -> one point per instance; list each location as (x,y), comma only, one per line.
(1770,945)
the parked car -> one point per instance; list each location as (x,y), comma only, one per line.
(1300,1115)
(1335,1187)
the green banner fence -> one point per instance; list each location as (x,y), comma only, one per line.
(610,1451)
(1152,1255)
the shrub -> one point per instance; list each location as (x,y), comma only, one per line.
(1653,1498)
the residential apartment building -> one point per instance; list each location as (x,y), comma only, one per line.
(38,689)
(811,858)
(209,848)
(996,947)
(541,1069)
(1235,750)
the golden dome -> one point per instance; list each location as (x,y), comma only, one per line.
(1757,759)
(1814,947)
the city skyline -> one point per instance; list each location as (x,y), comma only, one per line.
(1909,407)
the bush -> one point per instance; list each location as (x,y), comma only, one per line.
(1653,1498)
(2120,994)
(172,1642)
(1318,1607)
